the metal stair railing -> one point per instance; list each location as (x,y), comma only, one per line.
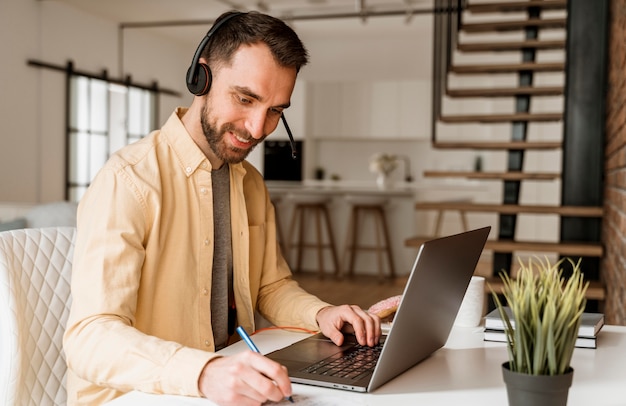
(447,20)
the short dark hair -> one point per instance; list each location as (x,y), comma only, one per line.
(251,28)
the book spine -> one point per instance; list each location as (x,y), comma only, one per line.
(500,337)
(583,331)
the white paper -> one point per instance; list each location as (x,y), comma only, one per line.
(319,400)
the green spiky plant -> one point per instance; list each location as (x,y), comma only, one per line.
(547,310)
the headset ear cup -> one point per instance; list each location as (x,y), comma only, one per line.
(202,84)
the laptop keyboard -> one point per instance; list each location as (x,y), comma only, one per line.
(353,363)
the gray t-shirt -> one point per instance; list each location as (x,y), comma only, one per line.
(222,287)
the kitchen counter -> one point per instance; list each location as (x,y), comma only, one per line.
(342,187)
(333,188)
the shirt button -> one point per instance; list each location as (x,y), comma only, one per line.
(205,292)
(206,242)
(203,191)
(188,169)
(207,343)
(204,164)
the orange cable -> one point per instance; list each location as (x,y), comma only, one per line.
(285,328)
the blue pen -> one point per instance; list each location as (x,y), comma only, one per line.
(245,337)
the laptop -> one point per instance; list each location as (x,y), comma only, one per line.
(430,302)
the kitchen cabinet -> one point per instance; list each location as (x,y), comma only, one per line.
(369,110)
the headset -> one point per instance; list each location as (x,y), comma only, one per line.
(199,75)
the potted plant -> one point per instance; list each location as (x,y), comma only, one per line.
(541,331)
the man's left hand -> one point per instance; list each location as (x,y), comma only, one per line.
(333,319)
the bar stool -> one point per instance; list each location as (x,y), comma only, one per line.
(441,210)
(311,207)
(375,208)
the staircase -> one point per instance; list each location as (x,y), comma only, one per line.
(510,68)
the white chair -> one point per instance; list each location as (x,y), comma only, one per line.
(35,269)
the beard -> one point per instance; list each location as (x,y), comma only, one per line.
(216,139)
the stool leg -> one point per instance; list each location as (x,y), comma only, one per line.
(438,222)
(378,220)
(463,220)
(279,232)
(289,242)
(331,239)
(354,240)
(392,271)
(319,245)
(300,248)
(349,244)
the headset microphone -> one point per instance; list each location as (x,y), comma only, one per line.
(294,152)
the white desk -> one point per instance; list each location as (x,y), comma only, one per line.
(467,371)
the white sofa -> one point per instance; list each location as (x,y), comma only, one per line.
(28,215)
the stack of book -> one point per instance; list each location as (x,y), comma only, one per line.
(590,325)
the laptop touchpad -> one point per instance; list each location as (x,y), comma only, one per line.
(310,350)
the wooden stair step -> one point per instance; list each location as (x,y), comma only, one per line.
(516,6)
(573,249)
(494,145)
(568,211)
(510,45)
(507,91)
(513,176)
(508,67)
(500,118)
(514,25)
(595,291)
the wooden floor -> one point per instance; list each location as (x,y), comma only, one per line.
(362,290)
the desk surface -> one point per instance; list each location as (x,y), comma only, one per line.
(466,371)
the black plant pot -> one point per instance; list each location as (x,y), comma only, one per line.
(536,390)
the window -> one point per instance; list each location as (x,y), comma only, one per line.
(103,117)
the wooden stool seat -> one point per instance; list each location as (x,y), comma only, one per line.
(375,207)
(311,208)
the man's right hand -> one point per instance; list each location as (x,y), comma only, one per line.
(244,379)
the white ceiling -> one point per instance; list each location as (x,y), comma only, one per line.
(312,19)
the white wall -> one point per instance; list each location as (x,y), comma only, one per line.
(19,102)
(32,106)
(405,53)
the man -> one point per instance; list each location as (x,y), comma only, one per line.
(177,241)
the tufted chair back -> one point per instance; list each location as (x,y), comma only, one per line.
(35,271)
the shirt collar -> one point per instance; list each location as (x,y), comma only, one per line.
(190,156)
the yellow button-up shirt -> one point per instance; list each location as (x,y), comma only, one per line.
(141,283)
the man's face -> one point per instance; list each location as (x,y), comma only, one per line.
(245,102)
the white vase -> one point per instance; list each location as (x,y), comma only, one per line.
(382,180)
